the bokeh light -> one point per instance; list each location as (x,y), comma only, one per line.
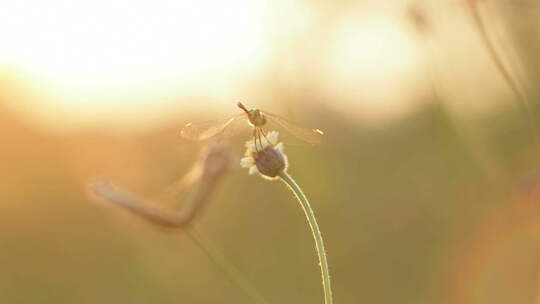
(425,185)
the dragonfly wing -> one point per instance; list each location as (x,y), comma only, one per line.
(206,129)
(312,136)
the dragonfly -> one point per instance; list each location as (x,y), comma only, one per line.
(255,118)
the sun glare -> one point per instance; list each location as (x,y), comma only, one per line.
(93,62)
(88,53)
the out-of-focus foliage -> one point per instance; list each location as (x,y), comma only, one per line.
(437,206)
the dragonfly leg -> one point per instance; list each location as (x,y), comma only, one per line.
(255,136)
(264,134)
(259,138)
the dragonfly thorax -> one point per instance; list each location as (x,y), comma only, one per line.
(256,118)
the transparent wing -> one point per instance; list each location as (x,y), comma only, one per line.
(312,136)
(206,129)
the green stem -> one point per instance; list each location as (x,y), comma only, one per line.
(319,244)
(232,272)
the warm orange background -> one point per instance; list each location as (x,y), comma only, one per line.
(425,187)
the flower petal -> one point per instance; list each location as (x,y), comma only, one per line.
(250,146)
(253,170)
(247,162)
(272,136)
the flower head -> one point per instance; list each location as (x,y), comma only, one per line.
(266,158)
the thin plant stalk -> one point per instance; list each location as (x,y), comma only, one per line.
(105,191)
(477,145)
(227,267)
(518,91)
(319,244)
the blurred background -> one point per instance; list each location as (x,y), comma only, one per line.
(426,187)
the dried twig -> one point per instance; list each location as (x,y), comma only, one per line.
(207,172)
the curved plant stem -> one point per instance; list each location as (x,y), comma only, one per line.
(302,199)
(232,272)
(512,83)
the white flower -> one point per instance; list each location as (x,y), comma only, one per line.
(267,159)
(249,163)
(269,140)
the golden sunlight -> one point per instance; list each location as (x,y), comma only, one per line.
(374,68)
(91,54)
